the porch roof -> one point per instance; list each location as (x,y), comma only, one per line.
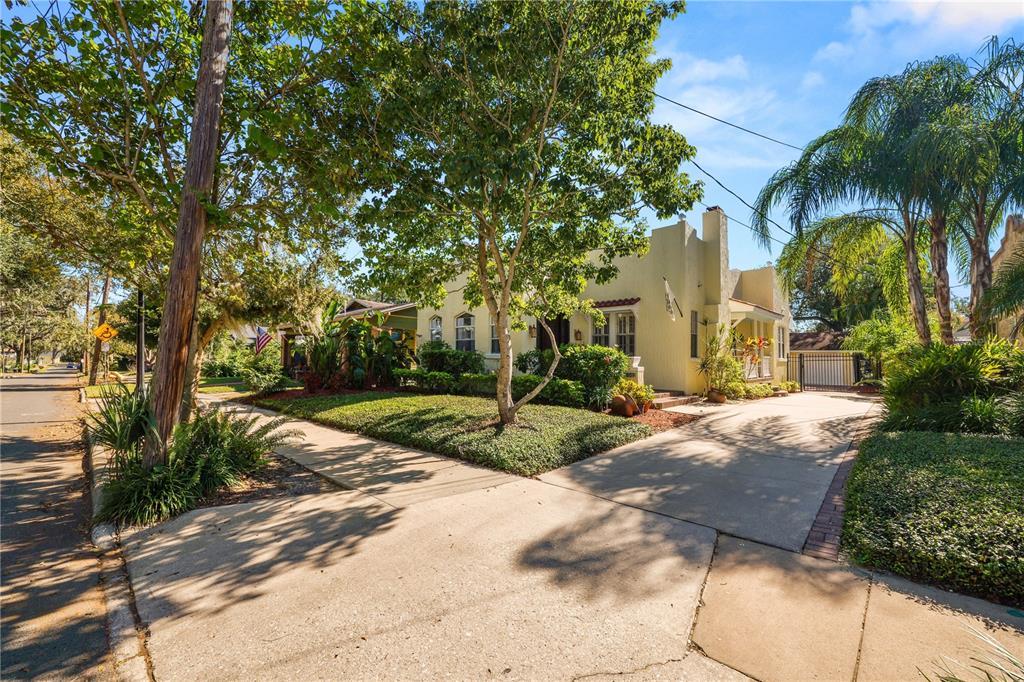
(745,310)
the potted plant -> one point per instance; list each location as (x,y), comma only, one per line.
(718,366)
(638,397)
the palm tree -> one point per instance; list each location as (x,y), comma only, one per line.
(901,107)
(854,164)
(1006,296)
(977,144)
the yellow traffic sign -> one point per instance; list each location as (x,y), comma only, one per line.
(104,332)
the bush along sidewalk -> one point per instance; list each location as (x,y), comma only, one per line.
(210,452)
(557,392)
(942,508)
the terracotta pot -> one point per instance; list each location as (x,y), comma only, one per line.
(619,405)
(647,406)
(715,396)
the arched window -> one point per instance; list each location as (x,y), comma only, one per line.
(465,333)
(435,328)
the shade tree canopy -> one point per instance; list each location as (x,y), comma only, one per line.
(514,141)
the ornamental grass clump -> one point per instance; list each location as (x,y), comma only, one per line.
(210,452)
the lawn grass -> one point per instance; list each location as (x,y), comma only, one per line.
(462,426)
(942,508)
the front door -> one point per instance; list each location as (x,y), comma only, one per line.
(560,326)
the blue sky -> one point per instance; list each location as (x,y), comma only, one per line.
(788,70)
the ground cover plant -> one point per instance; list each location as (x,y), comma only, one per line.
(465,427)
(942,508)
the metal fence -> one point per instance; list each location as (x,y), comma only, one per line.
(833,370)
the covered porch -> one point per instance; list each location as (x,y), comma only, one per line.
(757,325)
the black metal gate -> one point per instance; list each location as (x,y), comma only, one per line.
(834,370)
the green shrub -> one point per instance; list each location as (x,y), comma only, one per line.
(434,382)
(598,368)
(438,356)
(953,388)
(121,420)
(790,386)
(640,393)
(138,496)
(756,391)
(477,384)
(557,392)
(1015,414)
(735,390)
(941,508)
(208,452)
(264,383)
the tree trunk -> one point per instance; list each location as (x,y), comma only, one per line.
(97,346)
(197,185)
(194,372)
(940,267)
(981,280)
(506,405)
(915,289)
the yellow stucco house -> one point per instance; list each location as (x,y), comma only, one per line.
(664,352)
(1013,241)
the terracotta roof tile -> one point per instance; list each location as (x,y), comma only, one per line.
(616,302)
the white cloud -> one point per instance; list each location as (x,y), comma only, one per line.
(811,80)
(687,69)
(913,28)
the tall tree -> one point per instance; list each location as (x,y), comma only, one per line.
(853,164)
(516,140)
(176,326)
(978,144)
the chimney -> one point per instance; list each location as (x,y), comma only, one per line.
(715,234)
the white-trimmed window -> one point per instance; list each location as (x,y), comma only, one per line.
(435,328)
(495,346)
(465,333)
(694,326)
(626,333)
(602,332)
(781,342)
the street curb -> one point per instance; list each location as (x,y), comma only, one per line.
(81,395)
(127,642)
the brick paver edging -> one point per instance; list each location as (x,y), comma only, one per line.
(823,539)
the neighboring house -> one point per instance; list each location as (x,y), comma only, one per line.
(397,317)
(664,352)
(1013,241)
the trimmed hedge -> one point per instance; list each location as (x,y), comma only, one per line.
(466,428)
(438,356)
(942,508)
(557,392)
(597,368)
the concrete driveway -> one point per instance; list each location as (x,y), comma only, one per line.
(757,470)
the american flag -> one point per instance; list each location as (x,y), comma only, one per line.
(262,339)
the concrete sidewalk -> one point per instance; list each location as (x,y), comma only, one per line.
(433,568)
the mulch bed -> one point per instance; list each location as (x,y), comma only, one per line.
(662,420)
(281,477)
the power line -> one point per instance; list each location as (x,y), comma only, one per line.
(728,123)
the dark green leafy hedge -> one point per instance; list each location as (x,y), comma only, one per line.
(942,508)
(597,368)
(557,392)
(438,356)
(465,427)
(967,388)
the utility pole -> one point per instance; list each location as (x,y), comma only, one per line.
(140,344)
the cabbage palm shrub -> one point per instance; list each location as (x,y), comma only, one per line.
(121,420)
